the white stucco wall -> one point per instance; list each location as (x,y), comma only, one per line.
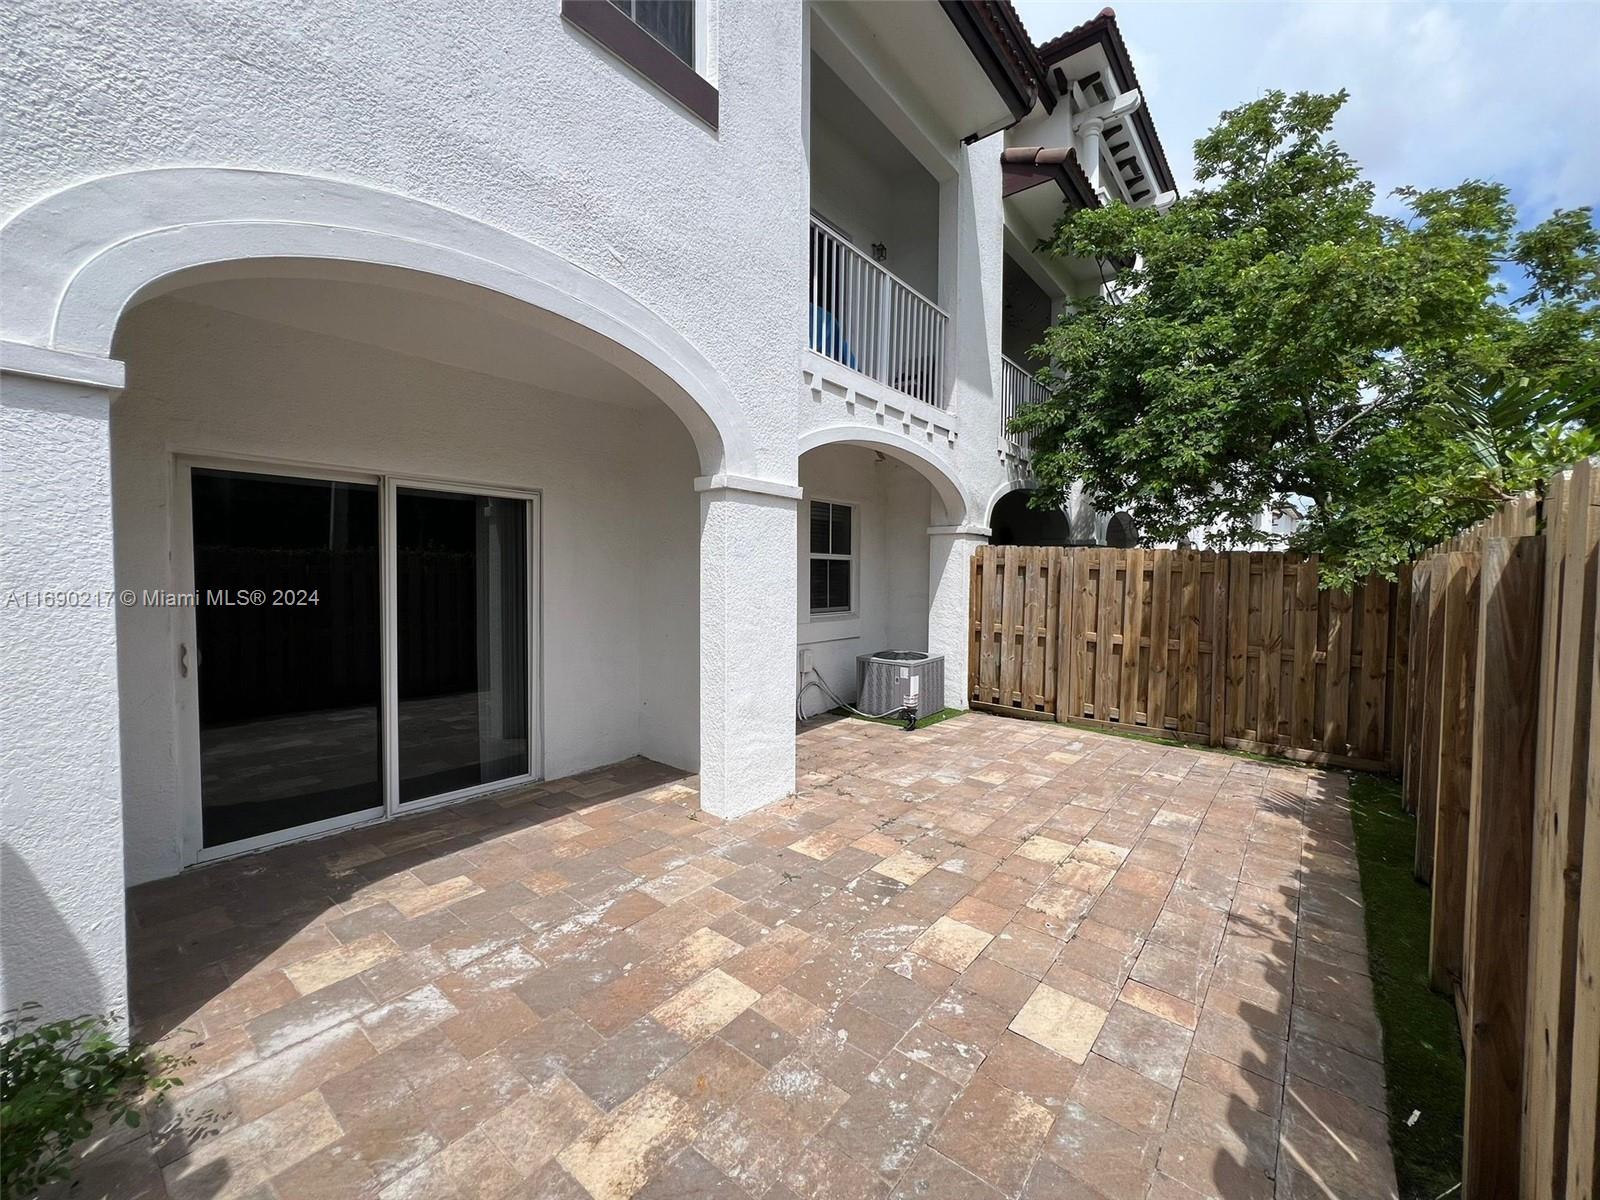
(477,115)
(618,523)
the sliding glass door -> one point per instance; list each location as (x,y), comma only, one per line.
(289,691)
(361,645)
(462,635)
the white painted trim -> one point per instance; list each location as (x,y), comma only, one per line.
(939,474)
(959,531)
(63,366)
(841,615)
(743,483)
(77,259)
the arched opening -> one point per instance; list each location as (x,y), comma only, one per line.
(863,552)
(1121,534)
(1015,522)
(476,533)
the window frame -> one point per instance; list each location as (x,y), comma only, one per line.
(624,37)
(852,558)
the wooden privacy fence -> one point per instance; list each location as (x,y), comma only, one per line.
(1502,768)
(1230,648)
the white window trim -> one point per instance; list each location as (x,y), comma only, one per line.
(853,612)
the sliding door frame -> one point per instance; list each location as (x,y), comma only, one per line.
(187,666)
(390,592)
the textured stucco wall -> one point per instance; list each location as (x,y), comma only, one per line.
(619,665)
(478,115)
(61,935)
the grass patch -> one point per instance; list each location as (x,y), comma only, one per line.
(944,714)
(1422,1057)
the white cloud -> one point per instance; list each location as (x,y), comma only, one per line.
(1439,92)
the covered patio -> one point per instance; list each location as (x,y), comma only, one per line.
(990,958)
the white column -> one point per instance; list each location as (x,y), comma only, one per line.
(1089,160)
(747,643)
(62,940)
(950,550)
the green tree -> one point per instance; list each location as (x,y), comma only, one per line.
(1273,335)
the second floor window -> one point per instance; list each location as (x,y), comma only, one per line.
(832,557)
(670,22)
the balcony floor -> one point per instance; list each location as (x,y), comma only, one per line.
(992,958)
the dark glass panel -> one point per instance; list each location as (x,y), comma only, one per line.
(841,529)
(819,527)
(289,730)
(462,632)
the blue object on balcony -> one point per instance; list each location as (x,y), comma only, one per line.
(827,337)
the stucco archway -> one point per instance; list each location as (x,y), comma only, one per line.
(76,260)
(958,507)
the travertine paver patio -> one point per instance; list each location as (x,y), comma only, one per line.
(992,958)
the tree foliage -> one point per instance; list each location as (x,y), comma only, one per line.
(1277,337)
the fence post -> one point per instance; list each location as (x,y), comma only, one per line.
(1572,527)
(1499,862)
(1432,717)
(1454,770)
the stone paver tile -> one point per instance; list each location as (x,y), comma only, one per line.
(1259,1093)
(993,980)
(952,943)
(706,1005)
(882,1124)
(1025,1066)
(472,1093)
(1041,849)
(690,1176)
(1240,1043)
(754,1035)
(1151,1045)
(754,1154)
(788,1011)
(906,867)
(399,1020)
(1049,1180)
(1027,951)
(1212,1171)
(1221,1120)
(488,1023)
(991,918)
(933,1047)
(419,901)
(1060,1022)
(249,1155)
(298,1069)
(616,1156)
(635,1055)
(1097,1151)
(931,1175)
(712,1078)
(309,1015)
(1337,1069)
(1127,1097)
(1159,1003)
(993,1132)
(551,1046)
(823,1172)
(820,845)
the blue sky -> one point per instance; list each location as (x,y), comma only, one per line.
(1439,92)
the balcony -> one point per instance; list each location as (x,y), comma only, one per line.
(870,320)
(1018,389)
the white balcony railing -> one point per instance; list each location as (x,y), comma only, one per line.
(873,322)
(1018,389)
